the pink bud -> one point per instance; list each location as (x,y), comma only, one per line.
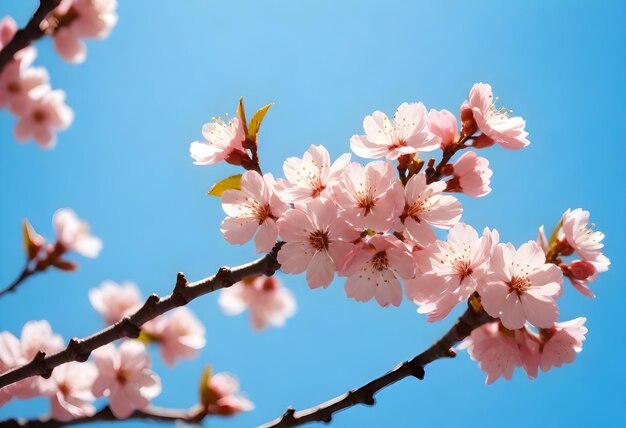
(579,269)
(482,141)
(467,118)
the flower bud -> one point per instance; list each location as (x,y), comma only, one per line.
(482,141)
(579,269)
(467,118)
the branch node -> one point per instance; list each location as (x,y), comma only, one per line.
(40,359)
(129,328)
(152,300)
(451,353)
(368,400)
(288,415)
(224,275)
(181,280)
(418,372)
(327,418)
(75,347)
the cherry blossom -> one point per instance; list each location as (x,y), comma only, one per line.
(18,80)
(224,142)
(370,196)
(74,234)
(580,273)
(253,209)
(408,134)
(179,334)
(265,297)
(113,301)
(46,114)
(583,239)
(125,377)
(70,393)
(426,207)
(311,176)
(11,356)
(471,176)
(496,123)
(455,269)
(317,240)
(521,286)
(373,269)
(223,396)
(443,124)
(82,19)
(562,342)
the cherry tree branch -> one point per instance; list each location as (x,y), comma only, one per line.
(26,272)
(365,394)
(129,326)
(27,35)
(195,415)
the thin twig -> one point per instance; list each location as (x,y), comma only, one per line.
(13,286)
(365,394)
(129,326)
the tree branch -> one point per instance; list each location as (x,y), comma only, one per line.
(195,415)
(27,35)
(129,326)
(17,281)
(414,367)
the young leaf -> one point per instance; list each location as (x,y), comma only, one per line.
(232,182)
(241,114)
(255,122)
(206,395)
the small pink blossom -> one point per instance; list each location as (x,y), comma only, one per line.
(265,297)
(496,123)
(311,176)
(521,287)
(457,266)
(46,114)
(114,301)
(252,210)
(224,397)
(316,240)
(70,393)
(224,140)
(471,176)
(38,336)
(370,196)
(180,335)
(562,342)
(443,124)
(125,377)
(74,234)
(425,207)
(373,270)
(82,19)
(18,81)
(586,242)
(408,134)
(10,356)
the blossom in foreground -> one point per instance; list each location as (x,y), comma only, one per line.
(455,269)
(125,377)
(70,393)
(369,196)
(425,207)
(496,123)
(82,19)
(224,141)
(18,81)
(74,234)
(222,396)
(46,113)
(113,301)
(180,334)
(562,342)
(443,124)
(252,210)
(407,134)
(373,269)
(316,240)
(472,175)
(586,242)
(311,176)
(521,287)
(264,296)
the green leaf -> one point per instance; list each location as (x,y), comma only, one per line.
(232,182)
(255,122)
(206,395)
(241,114)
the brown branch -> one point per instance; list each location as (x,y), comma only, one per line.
(195,415)
(13,286)
(365,394)
(27,35)
(129,326)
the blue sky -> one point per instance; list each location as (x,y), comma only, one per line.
(168,67)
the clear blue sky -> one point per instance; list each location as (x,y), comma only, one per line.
(169,66)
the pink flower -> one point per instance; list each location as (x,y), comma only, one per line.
(38,336)
(580,274)
(46,114)
(583,239)
(317,240)
(456,268)
(74,234)
(179,333)
(408,134)
(69,389)
(81,19)
(370,196)
(496,351)
(125,377)
(10,356)
(253,209)
(114,301)
(443,124)
(471,176)
(224,140)
(310,176)
(425,207)
(223,396)
(521,287)
(265,297)
(494,122)
(562,342)
(373,269)
(18,80)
